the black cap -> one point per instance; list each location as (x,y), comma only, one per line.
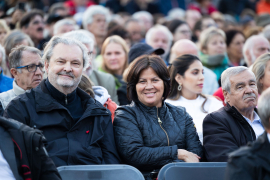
(140,49)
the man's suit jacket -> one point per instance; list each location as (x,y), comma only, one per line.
(7,148)
(107,81)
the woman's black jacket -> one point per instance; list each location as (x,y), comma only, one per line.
(144,143)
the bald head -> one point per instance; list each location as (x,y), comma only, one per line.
(181,47)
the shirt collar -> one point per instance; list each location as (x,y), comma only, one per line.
(268,135)
(256,117)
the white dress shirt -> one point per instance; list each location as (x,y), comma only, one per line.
(268,135)
(256,125)
(5,171)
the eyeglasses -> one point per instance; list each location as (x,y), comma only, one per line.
(32,67)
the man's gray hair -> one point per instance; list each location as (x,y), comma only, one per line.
(228,73)
(249,44)
(64,22)
(93,10)
(151,31)
(15,57)
(83,36)
(48,50)
(140,14)
(264,108)
(3,53)
(176,13)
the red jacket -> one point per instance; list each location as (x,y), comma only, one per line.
(72,7)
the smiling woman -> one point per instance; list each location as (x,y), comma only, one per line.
(149,132)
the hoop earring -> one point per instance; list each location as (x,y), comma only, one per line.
(179,87)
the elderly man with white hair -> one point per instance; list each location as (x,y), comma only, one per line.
(237,123)
(185,46)
(160,36)
(95,19)
(255,46)
(98,78)
(145,17)
(253,161)
(78,129)
(63,26)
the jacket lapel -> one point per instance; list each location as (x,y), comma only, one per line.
(7,148)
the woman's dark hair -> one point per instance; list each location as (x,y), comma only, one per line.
(85,85)
(179,66)
(174,24)
(231,34)
(138,65)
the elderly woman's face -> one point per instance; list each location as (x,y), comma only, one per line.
(150,88)
(216,45)
(114,58)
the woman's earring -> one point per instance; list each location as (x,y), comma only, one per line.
(179,87)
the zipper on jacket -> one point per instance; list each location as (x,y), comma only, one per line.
(66,100)
(160,122)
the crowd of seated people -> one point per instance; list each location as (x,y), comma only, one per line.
(143,83)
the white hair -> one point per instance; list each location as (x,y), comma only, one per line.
(266,32)
(140,14)
(3,53)
(48,50)
(151,31)
(176,13)
(249,44)
(62,23)
(93,10)
(228,73)
(83,36)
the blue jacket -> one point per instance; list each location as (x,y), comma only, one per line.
(5,82)
(90,140)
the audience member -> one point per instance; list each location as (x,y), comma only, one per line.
(5,81)
(237,123)
(4,30)
(115,53)
(203,6)
(137,50)
(22,151)
(27,69)
(202,24)
(145,18)
(59,9)
(261,69)
(176,13)
(78,6)
(49,27)
(254,47)
(13,39)
(99,93)
(79,130)
(235,41)
(32,24)
(185,46)
(266,32)
(253,160)
(191,17)
(95,20)
(160,37)
(138,126)
(187,81)
(98,78)
(179,29)
(213,50)
(63,26)
(134,29)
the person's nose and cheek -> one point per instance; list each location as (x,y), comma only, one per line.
(68,67)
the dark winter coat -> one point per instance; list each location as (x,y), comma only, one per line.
(250,162)
(90,140)
(24,151)
(144,143)
(224,131)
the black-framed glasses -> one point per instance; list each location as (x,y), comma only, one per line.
(32,67)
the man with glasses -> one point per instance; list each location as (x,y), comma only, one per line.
(27,69)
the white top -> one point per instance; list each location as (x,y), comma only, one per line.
(193,107)
(268,136)
(5,171)
(256,124)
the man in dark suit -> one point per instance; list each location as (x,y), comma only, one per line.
(22,153)
(237,123)
(253,161)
